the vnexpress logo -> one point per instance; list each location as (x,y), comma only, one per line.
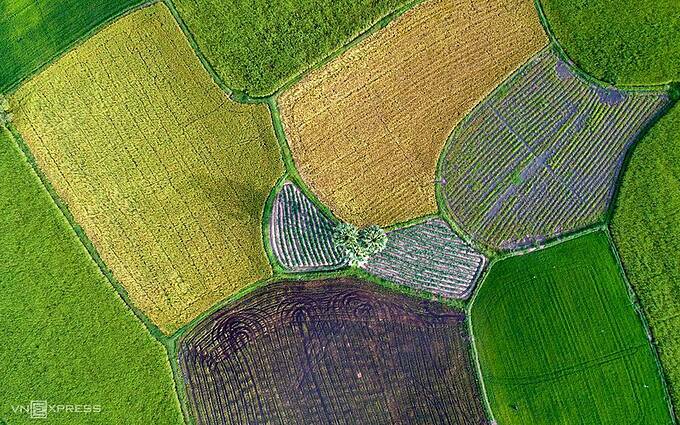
(40,409)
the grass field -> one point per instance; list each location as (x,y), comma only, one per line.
(559,342)
(366,130)
(646,229)
(67,336)
(165,174)
(620,41)
(255,46)
(33,32)
(335,351)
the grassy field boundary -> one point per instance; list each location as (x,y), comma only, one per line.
(562,54)
(473,342)
(94,30)
(640,312)
(289,162)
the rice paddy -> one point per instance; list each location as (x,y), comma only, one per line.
(165,174)
(645,228)
(559,341)
(33,32)
(366,129)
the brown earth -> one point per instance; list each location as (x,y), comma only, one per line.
(366,129)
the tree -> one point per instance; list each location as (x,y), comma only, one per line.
(358,245)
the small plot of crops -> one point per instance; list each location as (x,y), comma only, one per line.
(167,177)
(34,31)
(541,155)
(301,236)
(67,337)
(429,256)
(646,229)
(366,129)
(559,341)
(335,351)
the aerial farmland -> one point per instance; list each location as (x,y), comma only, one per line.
(340,212)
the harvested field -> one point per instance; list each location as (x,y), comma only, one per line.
(339,351)
(366,129)
(33,32)
(559,341)
(300,234)
(541,155)
(646,229)
(429,256)
(67,337)
(167,177)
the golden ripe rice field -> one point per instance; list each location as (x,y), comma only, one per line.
(366,129)
(165,174)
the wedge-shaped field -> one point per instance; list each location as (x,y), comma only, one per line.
(560,343)
(256,45)
(33,32)
(300,234)
(540,156)
(429,256)
(366,129)
(67,336)
(646,229)
(340,351)
(167,177)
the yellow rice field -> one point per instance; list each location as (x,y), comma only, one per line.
(165,174)
(366,129)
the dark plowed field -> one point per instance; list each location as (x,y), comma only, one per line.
(338,351)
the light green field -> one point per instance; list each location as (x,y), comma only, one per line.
(559,342)
(633,42)
(33,31)
(646,229)
(67,337)
(165,174)
(256,45)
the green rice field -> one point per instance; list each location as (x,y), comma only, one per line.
(559,341)
(34,31)
(255,46)
(67,336)
(629,42)
(645,228)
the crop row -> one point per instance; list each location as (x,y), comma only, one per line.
(300,234)
(541,155)
(431,257)
(337,351)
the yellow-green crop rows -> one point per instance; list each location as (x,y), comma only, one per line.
(165,174)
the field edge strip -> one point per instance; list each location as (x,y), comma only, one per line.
(642,318)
